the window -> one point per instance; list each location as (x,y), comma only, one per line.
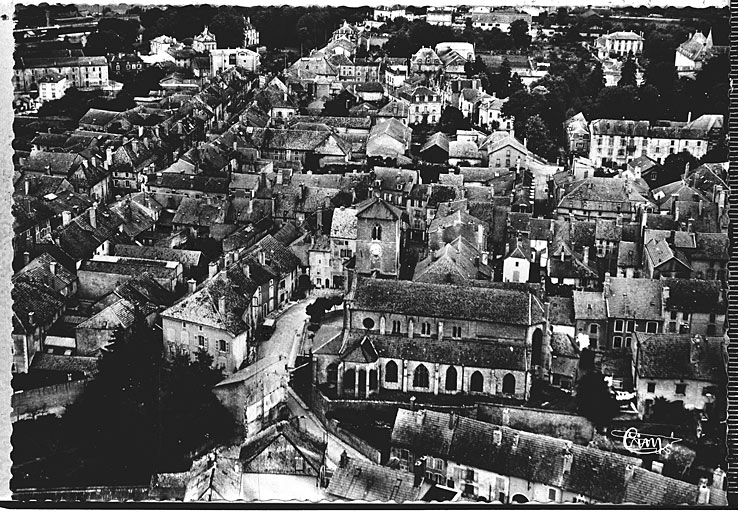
(508,384)
(425,329)
(651,327)
(651,387)
(456,331)
(630,326)
(552,494)
(451,378)
(368,323)
(618,326)
(673,315)
(617,341)
(628,341)
(390,372)
(223,345)
(421,378)
(202,342)
(681,389)
(395,327)
(476,383)
(593,328)
(377,232)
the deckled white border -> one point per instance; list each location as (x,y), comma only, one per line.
(6,152)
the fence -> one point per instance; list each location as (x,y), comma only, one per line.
(34,401)
(106,494)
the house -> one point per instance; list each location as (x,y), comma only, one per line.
(47,269)
(692,54)
(52,87)
(436,148)
(319,261)
(576,133)
(393,184)
(664,253)
(561,315)
(446,227)
(379,349)
(504,150)
(81,72)
(693,306)
(388,139)
(205,41)
(601,198)
(254,394)
(193,262)
(498,464)
(591,320)
(516,263)
(221,59)
(306,146)
(369,91)
(395,71)
(344,232)
(500,20)
(678,367)
(200,216)
(464,153)
(489,115)
(633,305)
(379,238)
(458,260)
(622,44)
(36,307)
(647,169)
(630,261)
(282,463)
(355,479)
(222,316)
(564,361)
(440,16)
(425,104)
(101,274)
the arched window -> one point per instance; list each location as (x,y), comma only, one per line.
(331,373)
(373,380)
(421,378)
(377,232)
(451,378)
(390,372)
(477,382)
(508,384)
(349,381)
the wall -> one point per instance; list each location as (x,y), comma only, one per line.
(37,400)
(666,388)
(561,425)
(94,285)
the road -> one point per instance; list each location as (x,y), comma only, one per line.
(286,341)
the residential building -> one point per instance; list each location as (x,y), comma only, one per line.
(205,41)
(443,16)
(425,60)
(605,198)
(633,305)
(692,54)
(678,367)
(356,479)
(80,72)
(693,306)
(344,232)
(425,104)
(576,132)
(621,43)
(389,139)
(52,87)
(500,20)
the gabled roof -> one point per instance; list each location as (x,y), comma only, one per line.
(589,306)
(438,139)
(669,356)
(439,301)
(33,296)
(377,208)
(459,257)
(40,269)
(634,298)
(694,295)
(186,257)
(366,481)
(344,223)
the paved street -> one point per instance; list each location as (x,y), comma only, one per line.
(287,331)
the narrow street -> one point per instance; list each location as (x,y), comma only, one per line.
(285,342)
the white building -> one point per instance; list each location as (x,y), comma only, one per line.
(204,42)
(52,87)
(619,43)
(227,58)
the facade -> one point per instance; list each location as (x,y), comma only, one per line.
(425,105)
(417,337)
(343,243)
(691,55)
(621,44)
(225,58)
(80,72)
(52,87)
(379,238)
(204,42)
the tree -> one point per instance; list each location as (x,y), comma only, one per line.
(595,81)
(677,164)
(228,28)
(539,138)
(398,45)
(452,120)
(519,33)
(628,74)
(595,400)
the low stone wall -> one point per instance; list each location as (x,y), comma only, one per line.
(35,401)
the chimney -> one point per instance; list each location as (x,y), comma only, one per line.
(568,457)
(674,212)
(26,258)
(27,187)
(191,286)
(497,437)
(485,258)
(419,472)
(247,271)
(93,215)
(480,237)
(689,116)
(280,176)
(52,267)
(619,220)
(695,349)
(302,191)
(701,206)
(451,420)
(704,493)
(212,269)
(66,218)
(32,318)
(718,478)
(222,305)
(562,254)
(607,277)
(690,225)
(108,156)
(629,470)
(586,255)
(343,460)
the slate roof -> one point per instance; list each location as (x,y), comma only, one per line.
(600,194)
(438,139)
(598,474)
(39,269)
(634,298)
(31,295)
(629,254)
(712,246)
(619,127)
(420,299)
(694,295)
(608,230)
(458,257)
(366,481)
(344,223)
(561,311)
(667,356)
(463,150)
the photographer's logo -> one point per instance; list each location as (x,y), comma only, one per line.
(645,444)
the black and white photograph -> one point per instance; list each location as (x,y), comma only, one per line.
(464,254)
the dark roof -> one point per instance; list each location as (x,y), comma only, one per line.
(561,311)
(634,298)
(712,246)
(199,182)
(33,296)
(412,298)
(694,295)
(187,258)
(64,364)
(122,265)
(366,481)
(536,458)
(278,257)
(668,356)
(629,254)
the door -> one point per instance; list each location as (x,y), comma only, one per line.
(362,384)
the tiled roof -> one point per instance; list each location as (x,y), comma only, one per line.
(459,258)
(589,306)
(712,246)
(121,313)
(99,117)
(563,345)
(619,127)
(352,122)
(278,257)
(599,194)
(54,363)
(60,164)
(439,301)
(177,181)
(30,295)
(40,269)
(288,233)
(438,139)
(463,149)
(393,128)
(668,356)
(694,295)
(608,230)
(629,254)
(366,481)
(561,311)
(536,458)
(634,298)
(199,212)
(665,195)
(129,266)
